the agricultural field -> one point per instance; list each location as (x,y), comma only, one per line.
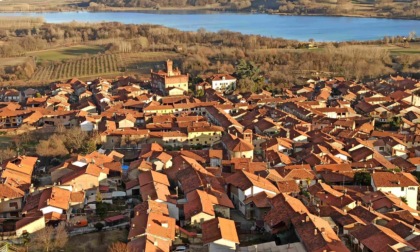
(65,53)
(13,61)
(93,66)
(36,5)
(20,22)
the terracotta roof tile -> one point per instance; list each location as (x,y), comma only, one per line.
(219,228)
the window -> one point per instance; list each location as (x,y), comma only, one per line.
(13,204)
(402,189)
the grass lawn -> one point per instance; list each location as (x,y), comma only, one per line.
(6,141)
(66,52)
(98,241)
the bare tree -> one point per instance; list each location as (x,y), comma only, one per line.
(52,147)
(117,247)
(6,154)
(74,138)
(50,238)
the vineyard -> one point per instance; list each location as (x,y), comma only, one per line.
(90,66)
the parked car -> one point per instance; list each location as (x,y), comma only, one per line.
(180,249)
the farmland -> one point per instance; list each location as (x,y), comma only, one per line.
(84,67)
(36,5)
(65,53)
(20,22)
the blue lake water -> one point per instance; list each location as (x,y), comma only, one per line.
(290,27)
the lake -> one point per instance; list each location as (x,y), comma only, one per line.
(290,27)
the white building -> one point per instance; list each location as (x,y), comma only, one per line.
(400,184)
(223,82)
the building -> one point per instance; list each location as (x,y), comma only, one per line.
(223,82)
(401,184)
(220,235)
(165,81)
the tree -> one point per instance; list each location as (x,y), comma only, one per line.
(248,70)
(52,147)
(74,138)
(250,78)
(362,178)
(99,226)
(117,247)
(7,154)
(61,236)
(88,146)
(50,238)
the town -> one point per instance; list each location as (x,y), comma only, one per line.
(331,165)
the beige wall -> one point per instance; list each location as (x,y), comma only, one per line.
(200,218)
(32,227)
(83,182)
(58,173)
(6,208)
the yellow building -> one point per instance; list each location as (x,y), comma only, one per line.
(204,135)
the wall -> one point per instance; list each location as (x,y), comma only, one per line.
(410,193)
(222,245)
(173,210)
(50,209)
(199,218)
(5,207)
(32,227)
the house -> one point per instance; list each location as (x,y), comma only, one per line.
(316,234)
(258,205)
(204,135)
(151,231)
(17,172)
(53,200)
(378,238)
(242,185)
(283,145)
(11,199)
(30,224)
(276,221)
(322,194)
(199,207)
(238,147)
(82,176)
(401,184)
(155,186)
(219,234)
(222,82)
(10,95)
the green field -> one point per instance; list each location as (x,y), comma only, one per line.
(94,66)
(66,53)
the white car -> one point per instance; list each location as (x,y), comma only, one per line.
(180,249)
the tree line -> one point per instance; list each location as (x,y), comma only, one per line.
(203,53)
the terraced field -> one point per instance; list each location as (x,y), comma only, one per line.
(85,67)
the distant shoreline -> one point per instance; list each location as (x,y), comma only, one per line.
(198,10)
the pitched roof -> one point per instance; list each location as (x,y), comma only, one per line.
(245,180)
(219,228)
(199,201)
(389,179)
(153,177)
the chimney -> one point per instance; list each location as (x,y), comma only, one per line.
(137,213)
(315,231)
(307,218)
